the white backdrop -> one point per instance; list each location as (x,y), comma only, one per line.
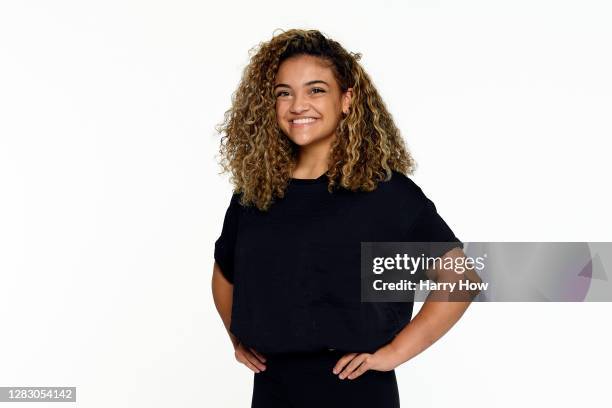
(111,199)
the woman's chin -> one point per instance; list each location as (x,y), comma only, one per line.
(306,139)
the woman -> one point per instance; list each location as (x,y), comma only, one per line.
(318,167)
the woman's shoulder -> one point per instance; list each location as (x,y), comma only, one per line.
(403,185)
(402,190)
(235,206)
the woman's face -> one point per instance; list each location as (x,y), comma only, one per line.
(306,90)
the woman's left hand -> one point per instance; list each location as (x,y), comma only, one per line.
(352,365)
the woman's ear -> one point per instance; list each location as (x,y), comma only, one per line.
(347,96)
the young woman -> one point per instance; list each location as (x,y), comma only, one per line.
(318,167)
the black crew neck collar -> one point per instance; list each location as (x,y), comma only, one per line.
(321,179)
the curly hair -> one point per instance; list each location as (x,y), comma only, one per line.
(260,157)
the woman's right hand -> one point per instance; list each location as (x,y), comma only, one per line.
(249,357)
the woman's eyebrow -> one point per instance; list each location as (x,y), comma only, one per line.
(316,81)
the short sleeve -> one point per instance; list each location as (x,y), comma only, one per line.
(226,242)
(431,228)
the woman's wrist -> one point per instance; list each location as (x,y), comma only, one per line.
(400,351)
(234,339)
(393,354)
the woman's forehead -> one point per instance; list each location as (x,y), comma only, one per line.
(304,68)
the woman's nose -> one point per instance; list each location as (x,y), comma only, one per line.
(299,104)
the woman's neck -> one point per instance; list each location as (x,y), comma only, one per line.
(313,159)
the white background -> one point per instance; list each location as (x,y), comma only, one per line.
(111,198)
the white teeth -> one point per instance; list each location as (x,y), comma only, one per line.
(305,120)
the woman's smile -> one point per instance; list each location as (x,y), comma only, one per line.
(302,123)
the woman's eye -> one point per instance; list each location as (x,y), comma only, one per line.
(314,90)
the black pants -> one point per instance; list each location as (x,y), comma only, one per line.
(306,380)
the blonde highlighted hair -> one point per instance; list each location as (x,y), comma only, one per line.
(260,157)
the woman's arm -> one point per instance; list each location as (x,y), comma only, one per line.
(222,291)
(223,295)
(436,317)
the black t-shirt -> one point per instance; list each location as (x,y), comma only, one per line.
(296,268)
